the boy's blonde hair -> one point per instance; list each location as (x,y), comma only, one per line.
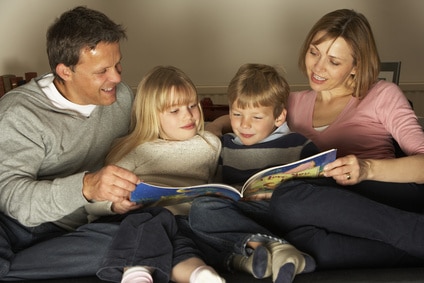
(257,85)
(154,96)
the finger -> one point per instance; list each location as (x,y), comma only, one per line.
(124,174)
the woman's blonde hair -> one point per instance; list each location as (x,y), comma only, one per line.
(257,85)
(161,88)
(355,29)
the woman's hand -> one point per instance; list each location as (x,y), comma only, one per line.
(347,170)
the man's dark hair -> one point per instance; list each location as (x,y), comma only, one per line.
(77,29)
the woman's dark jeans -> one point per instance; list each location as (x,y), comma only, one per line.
(342,228)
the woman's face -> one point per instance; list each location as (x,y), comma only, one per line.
(329,65)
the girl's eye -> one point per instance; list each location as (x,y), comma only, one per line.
(173,110)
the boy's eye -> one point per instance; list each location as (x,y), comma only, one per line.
(313,51)
(193,106)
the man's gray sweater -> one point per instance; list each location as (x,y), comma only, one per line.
(45,152)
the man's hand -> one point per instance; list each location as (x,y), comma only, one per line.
(111,183)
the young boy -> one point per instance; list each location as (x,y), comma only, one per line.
(242,232)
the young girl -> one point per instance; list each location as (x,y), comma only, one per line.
(166,146)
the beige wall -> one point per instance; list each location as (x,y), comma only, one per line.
(211,39)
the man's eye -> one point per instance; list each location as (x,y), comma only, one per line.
(102,72)
(257,118)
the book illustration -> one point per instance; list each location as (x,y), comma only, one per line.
(268,179)
(261,182)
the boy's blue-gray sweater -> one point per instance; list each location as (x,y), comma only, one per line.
(239,162)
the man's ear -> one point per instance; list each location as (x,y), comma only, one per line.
(64,71)
(281,118)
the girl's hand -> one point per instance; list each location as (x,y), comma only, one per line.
(125,206)
(347,170)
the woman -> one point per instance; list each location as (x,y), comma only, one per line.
(358,217)
(367,212)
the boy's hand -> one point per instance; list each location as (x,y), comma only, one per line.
(263,196)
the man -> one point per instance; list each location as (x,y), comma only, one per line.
(56,131)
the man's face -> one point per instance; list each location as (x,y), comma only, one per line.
(94,79)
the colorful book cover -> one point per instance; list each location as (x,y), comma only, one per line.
(261,182)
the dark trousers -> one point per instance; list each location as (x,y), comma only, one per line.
(148,238)
(340,227)
(47,251)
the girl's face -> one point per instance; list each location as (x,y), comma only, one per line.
(180,122)
(329,65)
(253,124)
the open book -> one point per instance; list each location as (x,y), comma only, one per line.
(261,182)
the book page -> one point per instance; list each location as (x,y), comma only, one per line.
(268,179)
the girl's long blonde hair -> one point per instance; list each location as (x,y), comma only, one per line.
(153,97)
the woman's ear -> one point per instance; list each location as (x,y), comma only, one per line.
(353,72)
(64,71)
(281,119)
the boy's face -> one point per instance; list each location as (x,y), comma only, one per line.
(253,124)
